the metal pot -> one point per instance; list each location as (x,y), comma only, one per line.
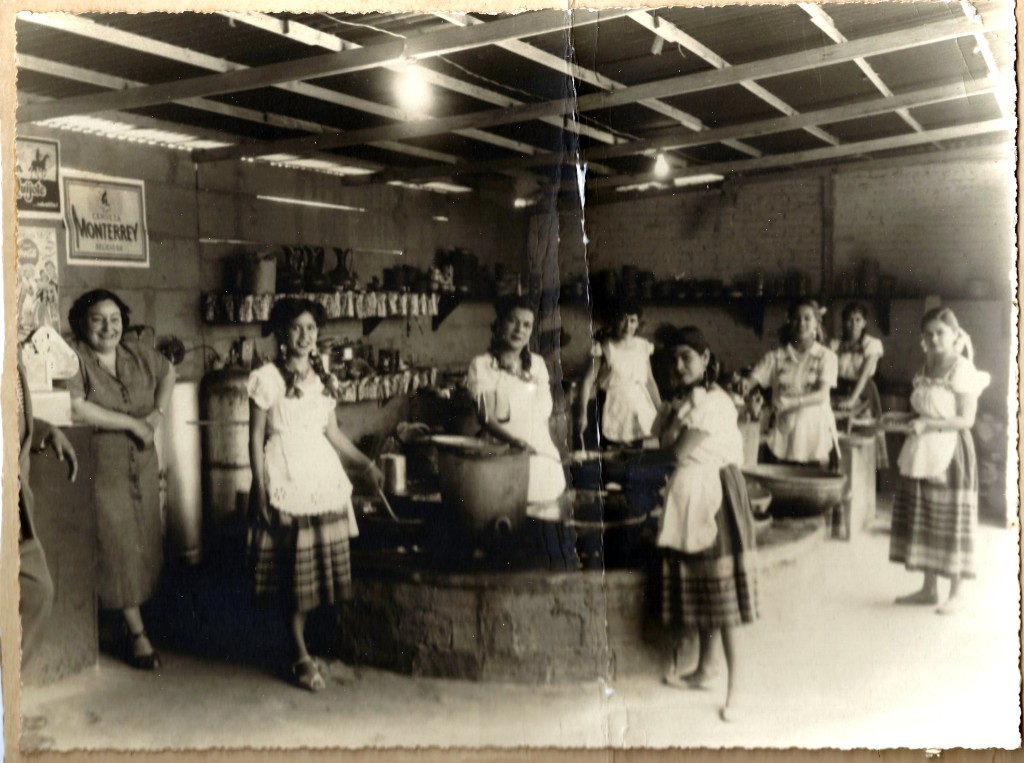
(798,490)
(483,486)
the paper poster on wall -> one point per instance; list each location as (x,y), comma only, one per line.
(38,172)
(105,221)
(37,279)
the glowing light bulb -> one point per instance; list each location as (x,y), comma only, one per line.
(412,90)
(661,168)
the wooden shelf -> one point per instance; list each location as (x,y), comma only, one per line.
(230,309)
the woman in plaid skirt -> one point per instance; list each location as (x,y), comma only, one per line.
(301,495)
(935,515)
(709,574)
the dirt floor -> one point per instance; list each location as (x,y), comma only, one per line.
(831,663)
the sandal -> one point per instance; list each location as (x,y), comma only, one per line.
(149,661)
(307,674)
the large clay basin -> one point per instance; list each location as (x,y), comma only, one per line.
(798,490)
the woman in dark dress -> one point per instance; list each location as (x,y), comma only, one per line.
(122,389)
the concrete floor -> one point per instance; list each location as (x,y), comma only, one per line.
(832,663)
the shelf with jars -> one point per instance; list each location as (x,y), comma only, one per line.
(370,307)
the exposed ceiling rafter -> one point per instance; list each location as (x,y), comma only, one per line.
(690,83)
(677,138)
(573,69)
(424,46)
(815,154)
(669,31)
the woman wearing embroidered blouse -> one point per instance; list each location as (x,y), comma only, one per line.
(122,389)
(801,374)
(709,571)
(621,365)
(512,390)
(301,494)
(858,353)
(935,515)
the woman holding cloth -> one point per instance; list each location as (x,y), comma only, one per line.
(512,391)
(122,389)
(935,515)
(709,572)
(801,374)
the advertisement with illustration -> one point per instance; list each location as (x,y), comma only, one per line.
(105,220)
(38,172)
(37,279)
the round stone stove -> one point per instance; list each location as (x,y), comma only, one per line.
(530,626)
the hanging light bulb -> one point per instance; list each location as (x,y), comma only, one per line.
(411,89)
(661,168)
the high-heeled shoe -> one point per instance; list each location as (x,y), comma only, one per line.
(149,661)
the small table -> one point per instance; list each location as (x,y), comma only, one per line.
(857,463)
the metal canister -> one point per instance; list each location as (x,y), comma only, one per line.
(393,465)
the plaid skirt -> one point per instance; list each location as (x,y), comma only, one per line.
(934,524)
(303,562)
(717,587)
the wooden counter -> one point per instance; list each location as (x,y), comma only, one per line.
(65,522)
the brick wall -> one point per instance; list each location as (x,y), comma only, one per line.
(770,225)
(932,226)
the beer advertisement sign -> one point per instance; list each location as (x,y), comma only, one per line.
(38,170)
(106,221)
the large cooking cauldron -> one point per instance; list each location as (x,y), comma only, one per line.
(798,490)
(483,486)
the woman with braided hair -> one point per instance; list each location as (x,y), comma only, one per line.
(301,495)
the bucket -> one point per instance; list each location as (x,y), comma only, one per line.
(483,486)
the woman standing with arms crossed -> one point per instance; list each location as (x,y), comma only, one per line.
(935,515)
(122,389)
(301,494)
(709,569)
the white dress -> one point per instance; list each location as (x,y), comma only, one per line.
(694,494)
(928,455)
(807,434)
(523,407)
(629,411)
(303,471)
(851,359)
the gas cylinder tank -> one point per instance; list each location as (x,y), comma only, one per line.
(226,472)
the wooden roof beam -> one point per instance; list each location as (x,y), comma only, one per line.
(307,35)
(678,138)
(689,83)
(1002,96)
(137,122)
(591,77)
(814,154)
(424,46)
(669,31)
(826,24)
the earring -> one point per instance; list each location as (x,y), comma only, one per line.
(283,349)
